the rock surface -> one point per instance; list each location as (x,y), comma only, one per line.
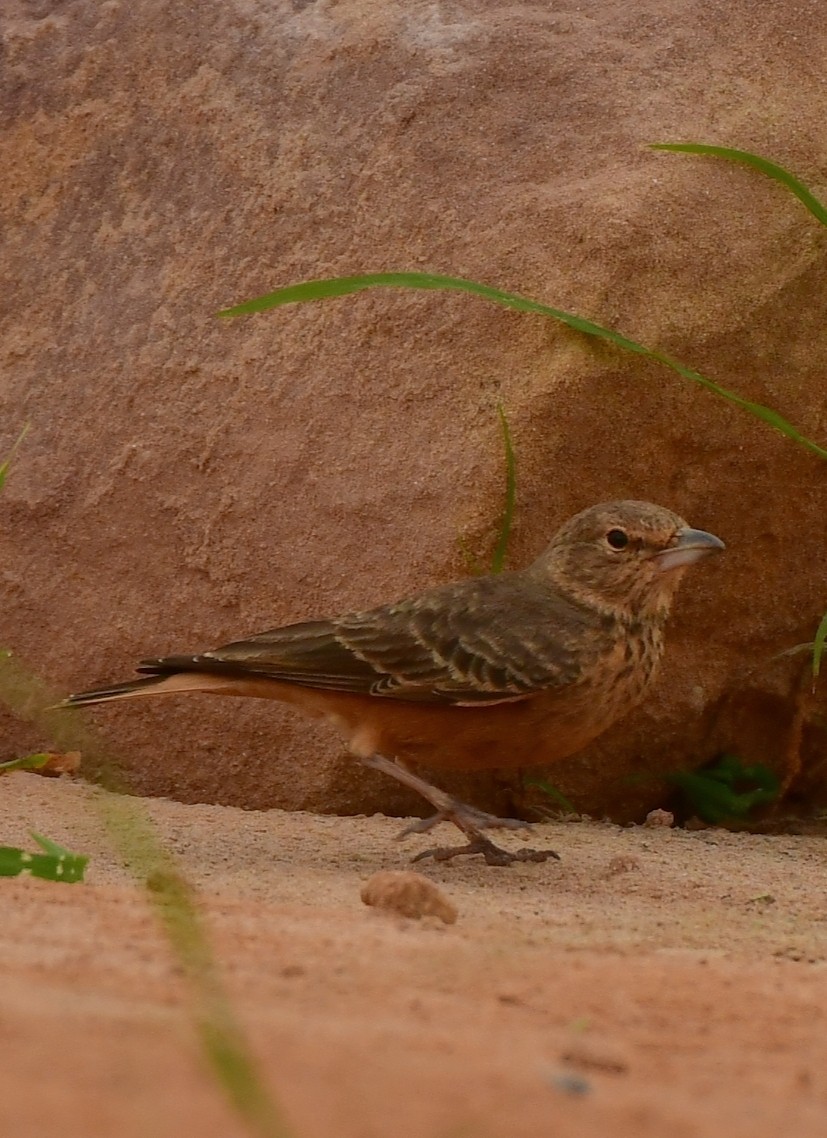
(188,480)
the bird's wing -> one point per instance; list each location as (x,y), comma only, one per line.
(483,641)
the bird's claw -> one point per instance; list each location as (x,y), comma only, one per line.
(493,854)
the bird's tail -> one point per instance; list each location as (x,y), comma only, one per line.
(147,685)
(169,676)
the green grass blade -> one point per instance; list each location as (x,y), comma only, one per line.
(57,864)
(222,1039)
(26,763)
(472,563)
(69,867)
(343,286)
(11,861)
(762,165)
(501,548)
(551,790)
(220,1034)
(818,645)
(51,847)
(728,790)
(6,462)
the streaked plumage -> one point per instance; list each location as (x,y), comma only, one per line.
(510,670)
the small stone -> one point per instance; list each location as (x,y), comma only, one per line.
(407,894)
(623,863)
(570,1084)
(659,818)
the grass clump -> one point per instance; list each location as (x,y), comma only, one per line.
(727,791)
(54,864)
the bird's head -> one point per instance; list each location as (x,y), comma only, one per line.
(626,558)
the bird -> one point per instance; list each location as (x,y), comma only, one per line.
(508,670)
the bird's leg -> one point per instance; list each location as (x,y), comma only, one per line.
(448,808)
(467,818)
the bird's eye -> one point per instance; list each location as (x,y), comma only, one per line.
(617,538)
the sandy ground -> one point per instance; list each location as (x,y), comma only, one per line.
(653,981)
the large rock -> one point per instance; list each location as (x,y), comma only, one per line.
(188,480)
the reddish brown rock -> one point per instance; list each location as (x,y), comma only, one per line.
(188,480)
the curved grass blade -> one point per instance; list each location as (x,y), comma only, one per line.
(26,763)
(501,548)
(551,790)
(222,1039)
(6,463)
(818,645)
(343,286)
(475,566)
(762,165)
(50,847)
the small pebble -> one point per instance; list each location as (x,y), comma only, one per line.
(407,894)
(623,863)
(659,818)
(574,1085)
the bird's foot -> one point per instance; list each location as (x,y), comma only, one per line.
(493,854)
(468,818)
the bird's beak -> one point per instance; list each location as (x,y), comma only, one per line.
(688,546)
